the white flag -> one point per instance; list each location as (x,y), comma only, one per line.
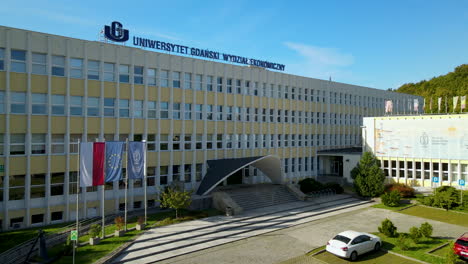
(416,105)
(388,106)
(455,102)
(463,102)
(86,164)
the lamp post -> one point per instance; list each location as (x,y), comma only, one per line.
(364,143)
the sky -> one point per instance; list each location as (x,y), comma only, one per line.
(379,44)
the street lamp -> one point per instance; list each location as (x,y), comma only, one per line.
(364,146)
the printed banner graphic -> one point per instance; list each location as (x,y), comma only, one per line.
(136,160)
(92,163)
(114,154)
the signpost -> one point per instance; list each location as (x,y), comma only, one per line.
(74,237)
(461,182)
(435,180)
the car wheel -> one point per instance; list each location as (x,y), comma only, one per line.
(353,256)
(377,247)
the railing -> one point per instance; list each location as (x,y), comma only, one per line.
(325,192)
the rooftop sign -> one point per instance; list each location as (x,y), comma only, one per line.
(117,33)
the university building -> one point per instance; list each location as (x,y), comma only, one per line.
(56,90)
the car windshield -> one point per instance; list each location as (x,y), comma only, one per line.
(462,242)
(342,239)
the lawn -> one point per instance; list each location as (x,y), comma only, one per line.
(451,217)
(396,208)
(369,258)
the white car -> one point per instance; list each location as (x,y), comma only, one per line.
(351,244)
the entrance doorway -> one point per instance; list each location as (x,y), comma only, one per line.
(235,178)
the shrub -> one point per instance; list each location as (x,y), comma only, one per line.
(391,199)
(310,185)
(94,230)
(405,190)
(446,197)
(388,228)
(334,186)
(450,256)
(426,229)
(415,234)
(119,222)
(403,243)
(427,200)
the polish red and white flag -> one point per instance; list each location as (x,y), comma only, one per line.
(92,163)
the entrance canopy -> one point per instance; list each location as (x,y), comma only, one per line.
(221,169)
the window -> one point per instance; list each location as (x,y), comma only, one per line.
(164,142)
(138,109)
(1,150)
(198,172)
(228,113)
(16,189)
(199,141)
(17,144)
(150,176)
(151,76)
(74,142)
(124,108)
(247,87)
(56,216)
(38,185)
(76,105)
(164,108)
(39,104)
(198,111)
(198,82)
(229,86)
(109,69)
(138,74)
(209,83)
(209,141)
(228,141)
(176,110)
(176,79)
(188,173)
(76,68)
(219,141)
(124,73)
(18,103)
(2,59)
(187,81)
(239,86)
(18,61)
(255,88)
(93,70)
(237,114)
(39,63)
(38,144)
(58,143)
(58,104)
(188,141)
(176,172)
(175,142)
(219,112)
(58,65)
(93,106)
(151,108)
(163,173)
(209,112)
(37,219)
(73,183)
(109,104)
(219,86)
(56,183)
(164,78)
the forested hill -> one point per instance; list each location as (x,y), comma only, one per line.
(446,86)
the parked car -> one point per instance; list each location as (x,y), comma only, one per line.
(461,246)
(351,244)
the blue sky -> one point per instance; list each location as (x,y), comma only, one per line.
(380,44)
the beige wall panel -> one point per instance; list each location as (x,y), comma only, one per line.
(178,127)
(2,81)
(165,158)
(17,165)
(152,126)
(229,154)
(178,95)
(2,123)
(210,127)
(230,99)
(94,88)
(16,213)
(177,157)
(247,101)
(76,87)
(238,128)
(58,163)
(76,125)
(73,162)
(59,124)
(188,127)
(139,126)
(265,103)
(139,92)
(220,98)
(188,156)
(18,39)
(109,125)
(199,157)
(125,91)
(18,82)
(18,124)
(57,208)
(151,157)
(91,204)
(248,129)
(38,164)
(210,98)
(256,152)
(256,128)
(109,206)
(125,126)
(94,125)
(165,94)
(230,128)
(188,96)
(39,84)
(239,153)
(220,127)
(59,85)
(34,211)
(94,50)
(40,43)
(256,101)
(165,126)
(210,154)
(199,97)
(110,90)
(152,93)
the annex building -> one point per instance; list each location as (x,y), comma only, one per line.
(56,90)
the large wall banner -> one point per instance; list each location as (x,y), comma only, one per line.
(445,138)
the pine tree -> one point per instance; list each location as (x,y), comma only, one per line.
(368,176)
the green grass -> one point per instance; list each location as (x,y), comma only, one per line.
(383,206)
(13,238)
(442,251)
(369,258)
(450,217)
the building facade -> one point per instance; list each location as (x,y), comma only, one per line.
(56,90)
(421,151)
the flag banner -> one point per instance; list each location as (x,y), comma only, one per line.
(388,106)
(91,163)
(439,103)
(416,105)
(114,154)
(455,102)
(463,102)
(446,104)
(430,105)
(136,162)
(424,105)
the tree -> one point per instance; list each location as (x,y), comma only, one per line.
(391,199)
(368,176)
(388,228)
(176,199)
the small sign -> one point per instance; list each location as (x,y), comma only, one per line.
(461,182)
(2,168)
(435,179)
(74,235)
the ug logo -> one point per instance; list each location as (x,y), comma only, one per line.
(116,32)
(424,139)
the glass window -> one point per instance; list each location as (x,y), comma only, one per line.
(164,78)
(39,104)
(219,84)
(109,106)
(176,142)
(38,144)
(176,172)
(188,141)
(138,74)
(187,172)
(2,59)
(39,63)
(93,70)
(58,143)
(209,112)
(18,61)
(198,172)
(151,108)
(187,80)
(76,105)
(151,76)
(176,110)
(109,71)
(188,111)
(58,65)
(164,142)
(239,86)
(58,104)
(56,216)
(229,85)
(176,79)
(209,83)
(198,82)
(56,183)
(199,141)
(164,110)
(124,108)
(18,103)
(38,185)
(76,68)
(17,183)
(138,109)
(199,111)
(74,142)
(124,73)
(163,173)
(93,106)
(1,151)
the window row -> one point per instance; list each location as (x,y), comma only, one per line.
(425,170)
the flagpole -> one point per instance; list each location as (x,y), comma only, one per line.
(77,202)
(126,182)
(103,204)
(144,178)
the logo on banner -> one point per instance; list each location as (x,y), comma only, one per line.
(116,32)
(137,162)
(424,139)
